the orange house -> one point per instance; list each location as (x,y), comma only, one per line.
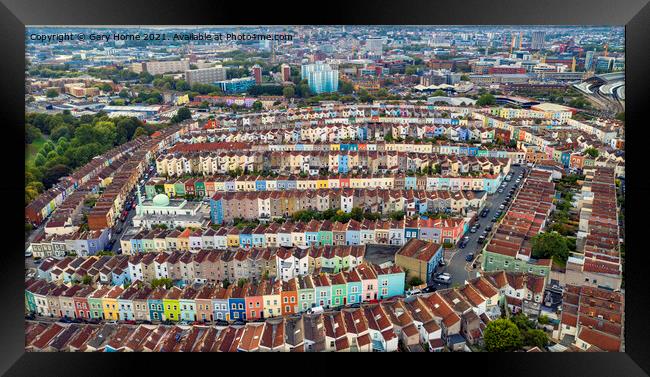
(289,296)
(577,161)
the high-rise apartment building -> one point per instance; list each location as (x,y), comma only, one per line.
(285,70)
(257,73)
(205,75)
(161,66)
(321,77)
(374,46)
(538,40)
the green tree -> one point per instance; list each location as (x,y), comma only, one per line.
(415,281)
(162,282)
(31,133)
(288,91)
(593,152)
(501,335)
(140,131)
(51,93)
(182,114)
(535,337)
(439,93)
(550,245)
(257,105)
(87,280)
(241,282)
(486,99)
(345,87)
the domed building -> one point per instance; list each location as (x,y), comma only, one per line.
(161,210)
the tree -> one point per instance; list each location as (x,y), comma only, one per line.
(182,114)
(288,92)
(501,335)
(225,283)
(550,245)
(87,280)
(140,131)
(51,93)
(345,87)
(535,337)
(257,105)
(241,282)
(31,133)
(439,93)
(415,281)
(486,99)
(53,174)
(593,152)
(162,282)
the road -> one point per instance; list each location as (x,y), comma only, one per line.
(460,269)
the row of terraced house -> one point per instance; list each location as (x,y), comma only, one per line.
(448,319)
(204,266)
(247,300)
(298,234)
(314,163)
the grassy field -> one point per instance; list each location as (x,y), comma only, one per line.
(32,149)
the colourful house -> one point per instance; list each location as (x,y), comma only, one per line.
(338,289)
(322,290)
(187,304)
(155,304)
(390,281)
(306,293)
(289,297)
(110,305)
(237,303)
(255,301)
(171,304)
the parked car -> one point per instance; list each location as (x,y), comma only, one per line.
(500,191)
(221,322)
(488,228)
(429,289)
(480,240)
(469,257)
(473,229)
(494,219)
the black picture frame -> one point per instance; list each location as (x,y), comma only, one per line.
(634,14)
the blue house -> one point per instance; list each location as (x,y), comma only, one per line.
(410,183)
(343,164)
(260,185)
(216,209)
(237,305)
(155,303)
(246,238)
(390,282)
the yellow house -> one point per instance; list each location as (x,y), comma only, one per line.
(182,100)
(110,305)
(169,190)
(335,147)
(322,183)
(233,237)
(219,186)
(184,240)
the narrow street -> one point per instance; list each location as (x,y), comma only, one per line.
(457,266)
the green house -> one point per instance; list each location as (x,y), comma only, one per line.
(179,188)
(497,262)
